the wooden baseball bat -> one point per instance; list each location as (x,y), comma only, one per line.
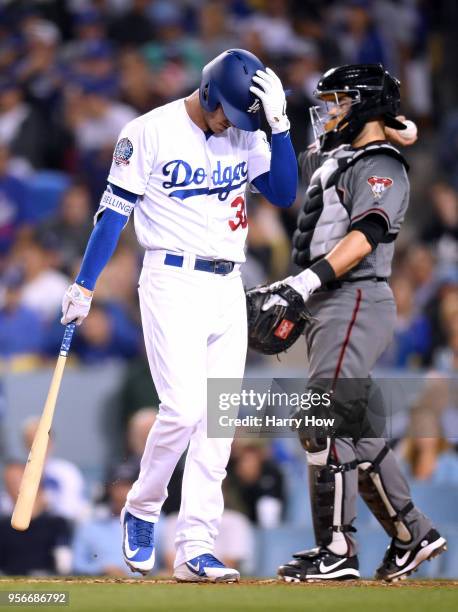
(31,477)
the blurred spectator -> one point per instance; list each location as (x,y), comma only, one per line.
(44,549)
(21,127)
(310,24)
(412,335)
(138,429)
(2,421)
(431,451)
(38,72)
(62,482)
(88,25)
(360,41)
(273,27)
(44,285)
(175,57)
(214,33)
(441,232)
(254,484)
(96,549)
(21,328)
(71,227)
(446,357)
(96,120)
(137,390)
(442,311)
(137,82)
(13,200)
(134,26)
(432,459)
(107,333)
(95,63)
(268,242)
(420,269)
(119,281)
(447,145)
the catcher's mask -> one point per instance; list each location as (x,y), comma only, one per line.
(351,96)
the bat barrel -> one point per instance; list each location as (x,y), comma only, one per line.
(30,482)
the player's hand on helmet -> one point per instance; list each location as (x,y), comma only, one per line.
(268,88)
(75,304)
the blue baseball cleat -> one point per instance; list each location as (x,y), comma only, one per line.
(137,543)
(205,568)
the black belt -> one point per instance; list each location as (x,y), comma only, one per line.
(216,266)
(338,284)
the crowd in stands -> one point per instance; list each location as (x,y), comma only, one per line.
(72,73)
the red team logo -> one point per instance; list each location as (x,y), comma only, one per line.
(284,329)
(378,185)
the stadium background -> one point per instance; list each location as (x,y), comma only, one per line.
(71,75)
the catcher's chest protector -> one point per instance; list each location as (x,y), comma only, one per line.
(324,218)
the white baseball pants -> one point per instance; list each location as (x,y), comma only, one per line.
(194,324)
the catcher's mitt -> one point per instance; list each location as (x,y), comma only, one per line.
(274,330)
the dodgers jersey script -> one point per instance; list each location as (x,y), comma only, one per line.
(191,187)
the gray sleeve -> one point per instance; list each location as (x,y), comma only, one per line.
(378,185)
(309,161)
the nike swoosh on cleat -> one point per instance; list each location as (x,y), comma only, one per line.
(324,569)
(129,552)
(193,567)
(401,560)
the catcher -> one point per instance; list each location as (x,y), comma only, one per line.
(355,203)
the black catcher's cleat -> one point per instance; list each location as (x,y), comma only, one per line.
(319,564)
(398,563)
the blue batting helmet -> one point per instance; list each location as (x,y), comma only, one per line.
(226,80)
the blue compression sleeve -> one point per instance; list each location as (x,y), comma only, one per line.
(279,185)
(103,240)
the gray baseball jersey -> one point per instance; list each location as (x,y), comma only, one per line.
(349,185)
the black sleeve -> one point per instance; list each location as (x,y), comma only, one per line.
(374,227)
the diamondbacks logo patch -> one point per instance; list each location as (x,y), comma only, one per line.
(284,329)
(379,184)
(123,152)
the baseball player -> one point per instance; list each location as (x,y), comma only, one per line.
(354,206)
(183,169)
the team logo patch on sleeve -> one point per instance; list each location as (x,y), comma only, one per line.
(123,152)
(379,184)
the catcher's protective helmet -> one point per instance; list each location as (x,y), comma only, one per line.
(373,93)
(226,80)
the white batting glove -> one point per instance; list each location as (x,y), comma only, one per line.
(272,96)
(75,305)
(304,283)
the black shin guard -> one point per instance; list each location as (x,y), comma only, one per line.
(376,497)
(327,498)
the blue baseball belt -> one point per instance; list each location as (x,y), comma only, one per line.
(215,266)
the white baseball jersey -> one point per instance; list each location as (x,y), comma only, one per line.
(191,188)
